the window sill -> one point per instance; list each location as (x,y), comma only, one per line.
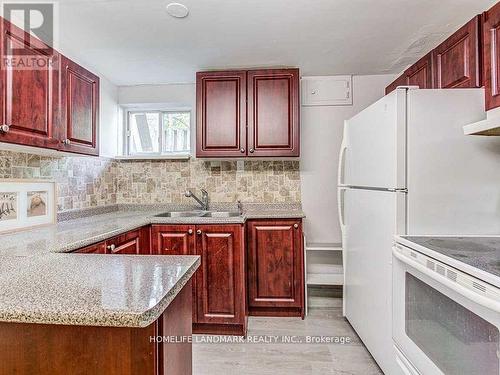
(155,157)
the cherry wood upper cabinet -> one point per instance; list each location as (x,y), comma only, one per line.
(79,109)
(275,267)
(173,239)
(273,112)
(29,90)
(400,81)
(491,37)
(420,73)
(221,114)
(458,58)
(220,280)
(248,113)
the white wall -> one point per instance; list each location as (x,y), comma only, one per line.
(108,118)
(180,95)
(321,135)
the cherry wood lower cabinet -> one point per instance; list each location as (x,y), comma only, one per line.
(173,239)
(220,281)
(45,349)
(275,268)
(98,248)
(136,242)
(219,305)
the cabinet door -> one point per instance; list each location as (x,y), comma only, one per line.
(275,266)
(491,37)
(420,73)
(273,112)
(79,109)
(173,239)
(29,89)
(457,59)
(133,242)
(221,114)
(220,279)
(400,81)
(98,248)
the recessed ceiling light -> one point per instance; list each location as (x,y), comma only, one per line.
(177,10)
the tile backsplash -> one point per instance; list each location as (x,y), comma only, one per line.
(166,181)
(84,182)
(81,181)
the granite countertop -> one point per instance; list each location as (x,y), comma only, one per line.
(94,290)
(481,253)
(75,233)
(41,283)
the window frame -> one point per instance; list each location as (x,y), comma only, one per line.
(160,152)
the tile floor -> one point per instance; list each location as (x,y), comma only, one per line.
(287,358)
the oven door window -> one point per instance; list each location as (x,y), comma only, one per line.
(454,338)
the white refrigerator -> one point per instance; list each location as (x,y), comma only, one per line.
(406,167)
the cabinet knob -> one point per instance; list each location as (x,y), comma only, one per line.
(190,231)
(296,226)
(111,247)
(242,150)
(198,231)
(66,142)
(251,150)
(4,128)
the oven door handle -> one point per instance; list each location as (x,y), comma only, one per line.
(474,297)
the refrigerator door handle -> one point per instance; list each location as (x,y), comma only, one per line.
(340,206)
(343,148)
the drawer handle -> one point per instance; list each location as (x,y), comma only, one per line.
(4,128)
(198,231)
(66,142)
(111,247)
(190,231)
(296,226)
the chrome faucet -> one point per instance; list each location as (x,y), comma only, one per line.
(203,202)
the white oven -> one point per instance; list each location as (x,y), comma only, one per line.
(445,321)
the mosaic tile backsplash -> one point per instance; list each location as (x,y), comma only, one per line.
(81,181)
(84,182)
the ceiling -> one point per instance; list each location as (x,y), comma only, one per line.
(136,42)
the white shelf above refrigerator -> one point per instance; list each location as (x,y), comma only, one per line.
(490,126)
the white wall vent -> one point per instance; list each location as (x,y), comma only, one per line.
(326,90)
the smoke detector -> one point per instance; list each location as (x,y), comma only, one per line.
(177,10)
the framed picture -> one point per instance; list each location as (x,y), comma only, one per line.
(26,203)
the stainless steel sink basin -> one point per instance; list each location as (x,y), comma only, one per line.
(194,213)
(222,214)
(199,213)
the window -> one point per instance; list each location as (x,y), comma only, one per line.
(158,132)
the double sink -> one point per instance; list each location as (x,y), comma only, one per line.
(199,213)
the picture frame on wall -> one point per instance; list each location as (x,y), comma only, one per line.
(26,203)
